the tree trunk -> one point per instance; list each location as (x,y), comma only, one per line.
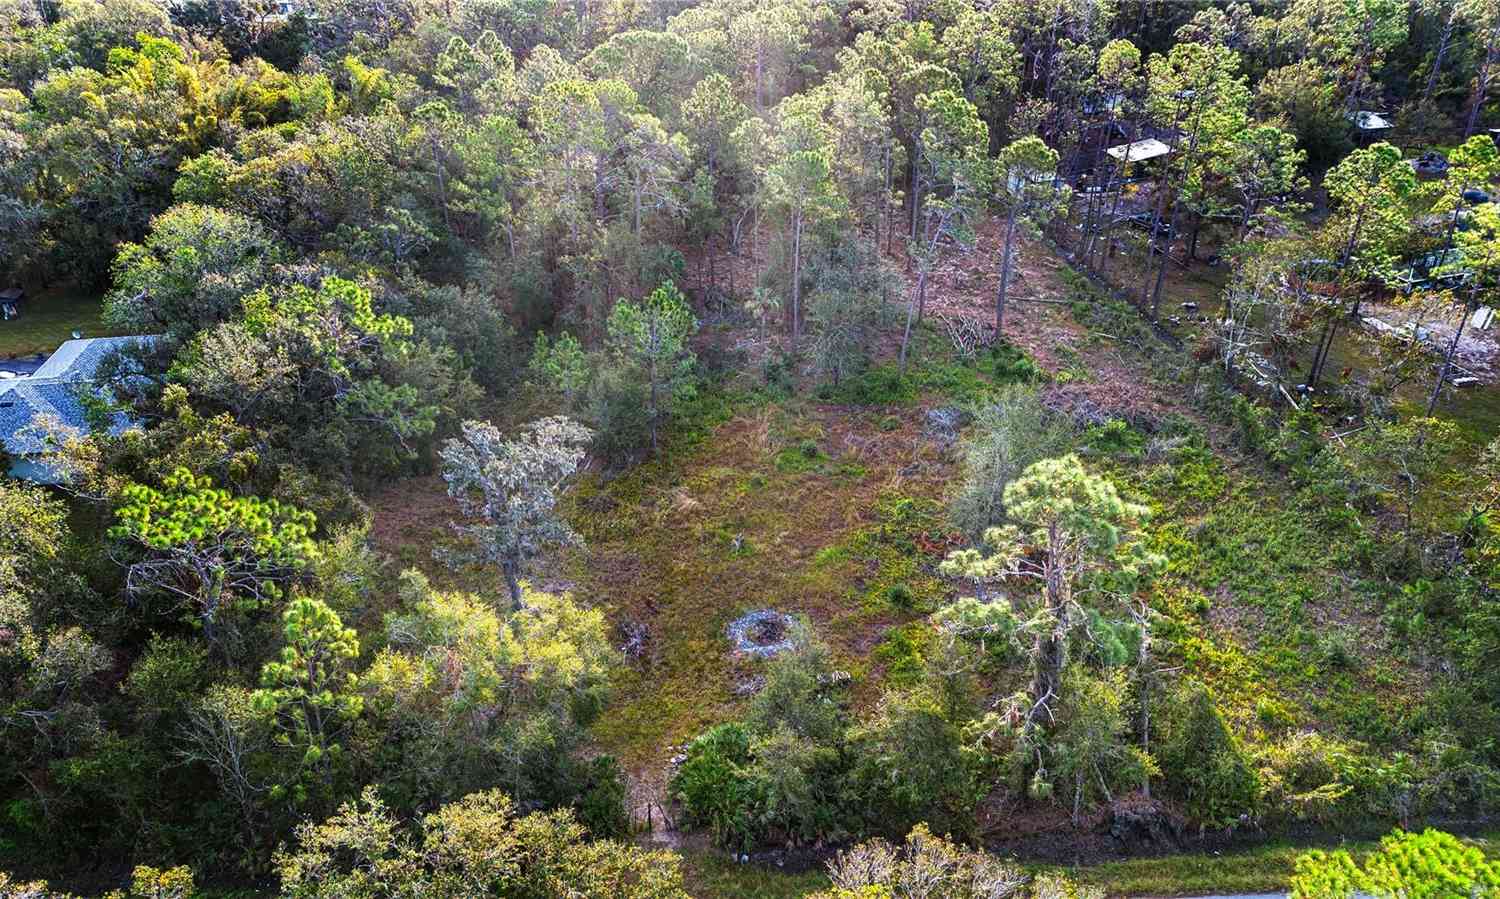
(512,569)
(1443,372)
(1244,229)
(1096,208)
(1442,49)
(921,297)
(796,276)
(1000,293)
(600,210)
(1161,276)
(1482,82)
(1157,212)
(1145,702)
(437,170)
(915,187)
(1322,359)
(1331,328)
(1108,246)
(655,406)
(911,310)
(713,278)
(754,233)
(760,66)
(885,206)
(212,593)
(1049,649)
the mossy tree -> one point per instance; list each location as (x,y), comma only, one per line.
(1069,539)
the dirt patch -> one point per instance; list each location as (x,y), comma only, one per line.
(1242,620)
(410,517)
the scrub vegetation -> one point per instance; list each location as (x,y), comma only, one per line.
(727,448)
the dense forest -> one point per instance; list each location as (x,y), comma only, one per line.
(626,448)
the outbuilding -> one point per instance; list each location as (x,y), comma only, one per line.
(11,299)
(1139,150)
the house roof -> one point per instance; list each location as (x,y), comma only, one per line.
(1135,151)
(78,359)
(1365,120)
(27,402)
(57,391)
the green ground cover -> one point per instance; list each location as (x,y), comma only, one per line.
(47,319)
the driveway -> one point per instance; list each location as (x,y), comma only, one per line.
(22,366)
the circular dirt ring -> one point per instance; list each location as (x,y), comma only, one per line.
(762,633)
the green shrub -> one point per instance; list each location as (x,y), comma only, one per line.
(800,457)
(1009,364)
(1429,864)
(779,372)
(1272,714)
(716,790)
(900,596)
(1252,423)
(798,780)
(1009,434)
(1298,441)
(1336,652)
(911,766)
(167,677)
(601,806)
(1115,438)
(903,653)
(1112,643)
(794,696)
(1204,764)
(615,406)
(882,385)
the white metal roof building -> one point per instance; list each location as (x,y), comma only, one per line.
(1140,150)
(1366,120)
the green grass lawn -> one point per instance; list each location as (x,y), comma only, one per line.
(1264,869)
(49,318)
(711,874)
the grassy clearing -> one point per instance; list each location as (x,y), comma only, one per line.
(1263,869)
(48,319)
(714,875)
(808,508)
(830,505)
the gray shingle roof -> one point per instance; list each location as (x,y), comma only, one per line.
(77,360)
(56,392)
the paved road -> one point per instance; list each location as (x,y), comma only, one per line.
(22,366)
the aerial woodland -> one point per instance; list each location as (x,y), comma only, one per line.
(852,449)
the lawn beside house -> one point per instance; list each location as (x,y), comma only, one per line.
(49,318)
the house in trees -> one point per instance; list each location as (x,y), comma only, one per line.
(1370,125)
(1139,150)
(57,397)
